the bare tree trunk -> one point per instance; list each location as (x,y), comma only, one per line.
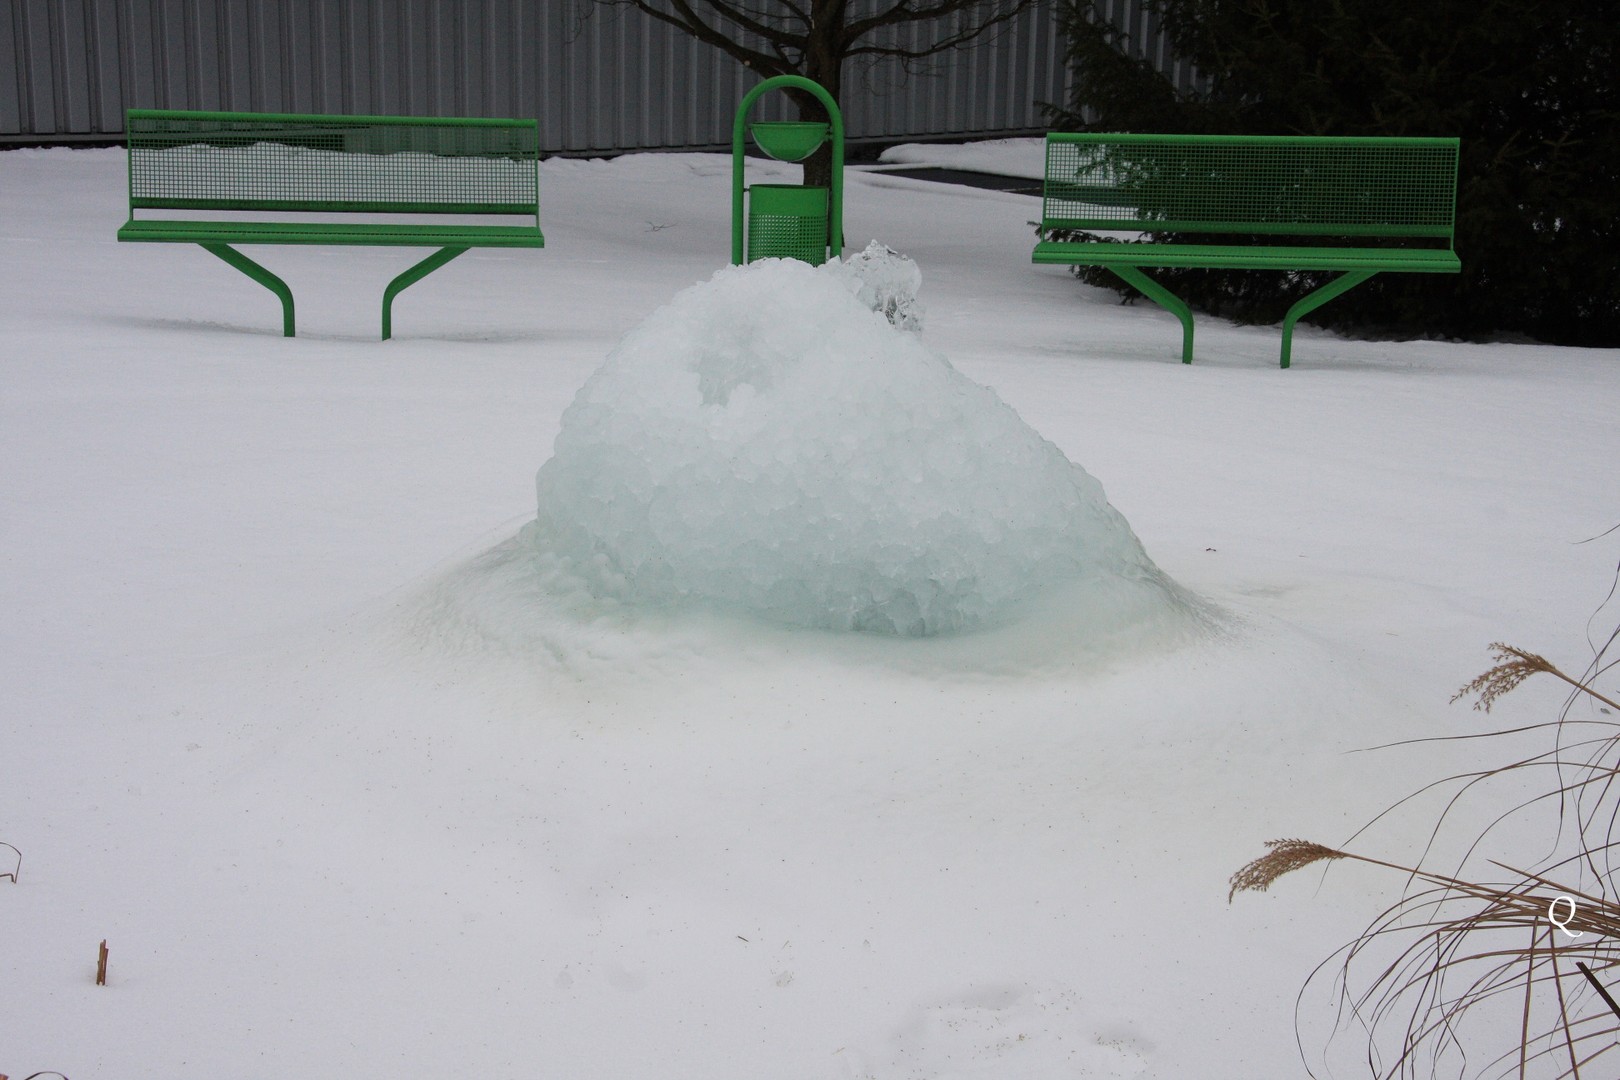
(823,64)
(778,37)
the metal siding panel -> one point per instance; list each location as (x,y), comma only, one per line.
(1052,75)
(1027,39)
(623,73)
(264,39)
(11,75)
(208,58)
(529,93)
(994,114)
(295,32)
(106,93)
(681,84)
(261,77)
(979,70)
(439,54)
(35,71)
(961,118)
(695,99)
(416,89)
(403,59)
(657,103)
(625,77)
(495,52)
(598,78)
(553,76)
(357,45)
(460,59)
(605,99)
(278,68)
(599,111)
(330,58)
(567,91)
(445,52)
(72,76)
(578,42)
(651,112)
(936,101)
(97,84)
(169,28)
(711,68)
(387,54)
(135,56)
(236,57)
(501,76)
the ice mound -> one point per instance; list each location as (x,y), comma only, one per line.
(767,443)
(888,284)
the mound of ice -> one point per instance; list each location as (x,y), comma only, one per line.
(888,284)
(767,443)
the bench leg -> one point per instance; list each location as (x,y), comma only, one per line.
(1313,300)
(262,276)
(409,278)
(1165,299)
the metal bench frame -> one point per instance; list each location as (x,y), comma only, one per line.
(282,163)
(1400,193)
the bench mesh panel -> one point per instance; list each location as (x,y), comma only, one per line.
(241,161)
(1345,187)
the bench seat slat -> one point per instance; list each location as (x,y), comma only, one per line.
(1092,253)
(286,232)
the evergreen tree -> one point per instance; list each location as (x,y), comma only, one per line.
(1532,90)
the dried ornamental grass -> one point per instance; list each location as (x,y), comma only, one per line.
(1432,980)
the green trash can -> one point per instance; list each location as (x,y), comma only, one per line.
(787,221)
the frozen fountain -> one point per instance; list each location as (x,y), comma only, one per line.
(776,442)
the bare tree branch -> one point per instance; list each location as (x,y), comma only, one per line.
(904,12)
(687,21)
(792,33)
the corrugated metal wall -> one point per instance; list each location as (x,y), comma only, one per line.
(597,78)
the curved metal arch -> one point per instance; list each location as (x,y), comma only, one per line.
(739,129)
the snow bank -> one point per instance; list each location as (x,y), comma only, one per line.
(1024,158)
(767,443)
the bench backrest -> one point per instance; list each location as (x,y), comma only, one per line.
(370,164)
(1251,184)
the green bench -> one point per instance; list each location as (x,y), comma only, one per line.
(393,181)
(1394,199)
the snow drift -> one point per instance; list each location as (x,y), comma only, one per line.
(767,443)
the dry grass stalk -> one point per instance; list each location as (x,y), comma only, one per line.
(1285,857)
(1512,667)
(1454,945)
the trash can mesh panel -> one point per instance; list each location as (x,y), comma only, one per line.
(779,236)
(787,221)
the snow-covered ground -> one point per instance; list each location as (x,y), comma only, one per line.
(326,830)
(1023,158)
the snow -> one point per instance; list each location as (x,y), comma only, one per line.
(1022,158)
(276,731)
